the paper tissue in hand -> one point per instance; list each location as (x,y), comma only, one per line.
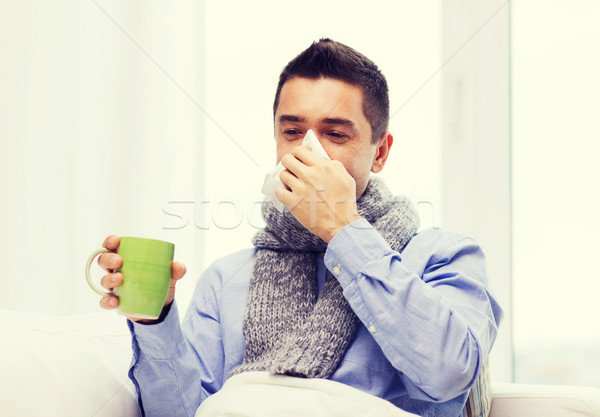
(272,181)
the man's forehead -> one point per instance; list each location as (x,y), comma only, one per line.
(325,100)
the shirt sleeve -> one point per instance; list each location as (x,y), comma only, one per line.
(429,308)
(175,367)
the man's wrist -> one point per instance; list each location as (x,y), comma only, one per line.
(347,220)
(163,315)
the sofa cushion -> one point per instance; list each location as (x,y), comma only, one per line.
(524,400)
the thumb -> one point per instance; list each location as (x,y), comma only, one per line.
(178,270)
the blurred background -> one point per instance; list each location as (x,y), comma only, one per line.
(152,119)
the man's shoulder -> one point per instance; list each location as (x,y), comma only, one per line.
(440,240)
(238,257)
(227,272)
(233,263)
(439,246)
(440,233)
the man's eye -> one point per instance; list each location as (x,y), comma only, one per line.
(337,136)
(292,133)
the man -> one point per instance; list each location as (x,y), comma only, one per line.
(339,293)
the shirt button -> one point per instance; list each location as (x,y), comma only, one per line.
(371,328)
(337,270)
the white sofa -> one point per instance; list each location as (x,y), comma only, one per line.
(77,366)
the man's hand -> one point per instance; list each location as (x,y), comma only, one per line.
(320,193)
(110,261)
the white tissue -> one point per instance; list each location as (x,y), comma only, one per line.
(272,181)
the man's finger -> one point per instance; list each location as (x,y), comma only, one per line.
(289,180)
(111,242)
(288,198)
(306,156)
(110,261)
(178,270)
(112,281)
(109,302)
(294,165)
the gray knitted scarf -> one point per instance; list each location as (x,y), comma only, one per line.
(289,328)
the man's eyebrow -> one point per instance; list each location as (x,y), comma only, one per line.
(327,120)
(338,121)
(291,118)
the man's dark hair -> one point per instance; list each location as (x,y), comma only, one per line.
(331,59)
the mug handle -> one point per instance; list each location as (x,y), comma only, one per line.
(91,283)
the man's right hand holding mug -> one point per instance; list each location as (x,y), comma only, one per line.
(111,261)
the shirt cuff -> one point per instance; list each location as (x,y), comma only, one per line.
(159,340)
(352,249)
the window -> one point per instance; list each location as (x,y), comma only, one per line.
(556,143)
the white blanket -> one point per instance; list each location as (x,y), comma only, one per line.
(260,394)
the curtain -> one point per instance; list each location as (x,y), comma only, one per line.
(101,125)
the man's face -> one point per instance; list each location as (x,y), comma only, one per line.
(333,110)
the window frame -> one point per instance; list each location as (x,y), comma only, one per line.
(476,146)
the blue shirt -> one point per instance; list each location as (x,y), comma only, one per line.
(428,322)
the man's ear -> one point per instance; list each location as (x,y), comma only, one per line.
(383,150)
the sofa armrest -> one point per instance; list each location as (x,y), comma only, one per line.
(54,365)
(524,400)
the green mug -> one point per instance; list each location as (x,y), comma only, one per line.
(146,273)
